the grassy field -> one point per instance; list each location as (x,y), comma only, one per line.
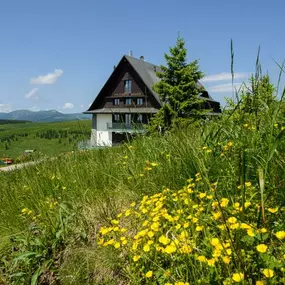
(200,205)
(47,138)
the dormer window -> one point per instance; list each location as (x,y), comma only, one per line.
(128,86)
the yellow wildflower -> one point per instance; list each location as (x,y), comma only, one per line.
(224,202)
(268,273)
(217,215)
(202,195)
(280,235)
(170,248)
(247,184)
(226,259)
(149,274)
(199,228)
(164,240)
(155,226)
(146,248)
(273,210)
(261,248)
(250,232)
(259,282)
(117,245)
(147,168)
(238,277)
(186,249)
(247,204)
(136,258)
(211,262)
(215,242)
(202,258)
(232,220)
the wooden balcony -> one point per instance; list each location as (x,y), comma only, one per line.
(125,127)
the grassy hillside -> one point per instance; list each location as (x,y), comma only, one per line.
(201,204)
(209,209)
(46,138)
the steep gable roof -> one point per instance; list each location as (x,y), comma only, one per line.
(147,73)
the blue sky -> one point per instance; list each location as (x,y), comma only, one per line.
(57,54)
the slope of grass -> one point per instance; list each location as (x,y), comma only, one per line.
(16,138)
(60,221)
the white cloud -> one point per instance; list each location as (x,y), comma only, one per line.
(225,76)
(35,109)
(223,88)
(5,108)
(68,106)
(32,94)
(50,78)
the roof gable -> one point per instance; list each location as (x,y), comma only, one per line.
(147,73)
(145,70)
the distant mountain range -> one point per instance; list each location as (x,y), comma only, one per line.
(42,116)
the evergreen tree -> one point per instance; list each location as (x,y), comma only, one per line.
(178,90)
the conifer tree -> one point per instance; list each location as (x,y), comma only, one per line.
(178,90)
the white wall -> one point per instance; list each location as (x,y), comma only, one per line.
(100,136)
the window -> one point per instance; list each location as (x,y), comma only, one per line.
(128,120)
(117,101)
(139,101)
(140,118)
(128,101)
(128,86)
(116,117)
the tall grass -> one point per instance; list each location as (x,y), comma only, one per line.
(51,213)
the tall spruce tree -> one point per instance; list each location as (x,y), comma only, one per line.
(178,90)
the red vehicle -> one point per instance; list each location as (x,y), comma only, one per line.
(6,160)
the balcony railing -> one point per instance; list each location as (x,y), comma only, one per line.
(125,127)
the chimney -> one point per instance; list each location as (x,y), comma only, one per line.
(142,57)
(130,53)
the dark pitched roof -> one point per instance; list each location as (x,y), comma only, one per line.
(147,72)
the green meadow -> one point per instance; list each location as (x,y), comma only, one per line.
(198,205)
(46,138)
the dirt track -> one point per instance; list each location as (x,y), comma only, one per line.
(17,166)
